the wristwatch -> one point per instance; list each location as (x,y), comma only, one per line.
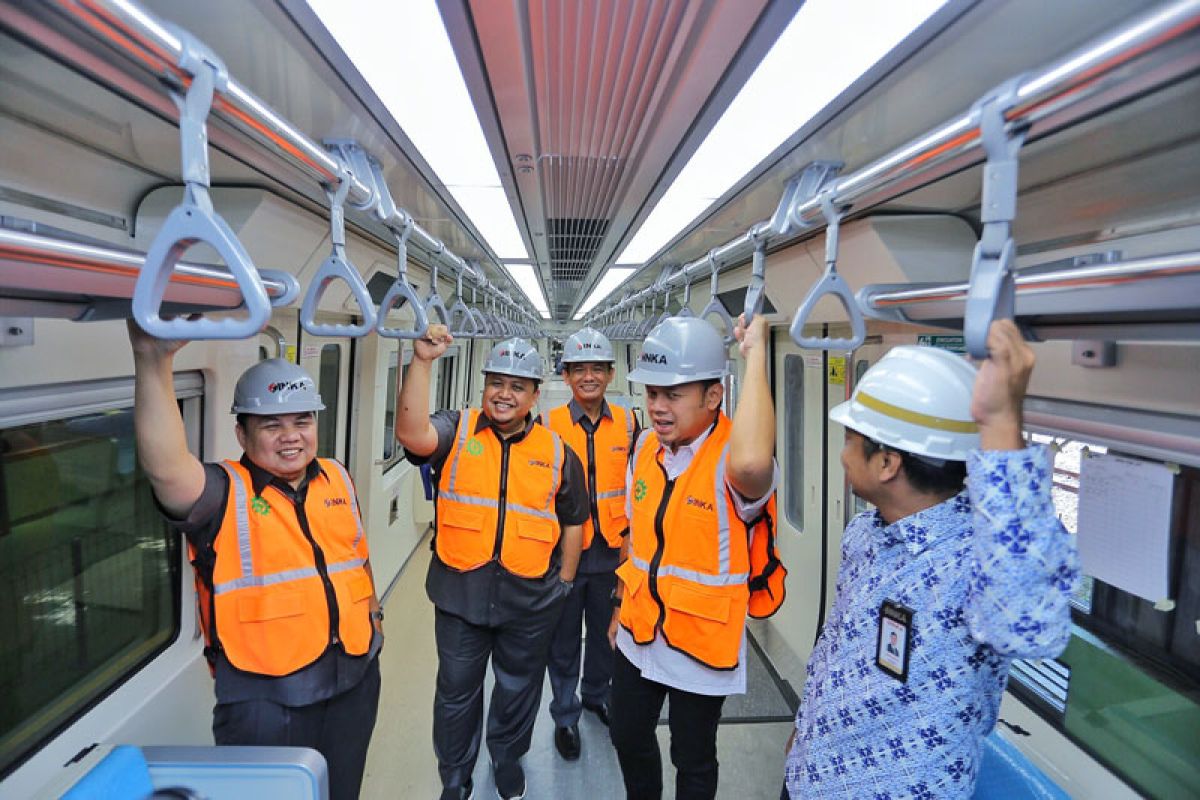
(377,615)
(614,599)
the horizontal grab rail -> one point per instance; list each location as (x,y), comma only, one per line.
(872,299)
(29,249)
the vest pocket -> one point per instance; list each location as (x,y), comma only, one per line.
(360,587)
(540,530)
(698,604)
(275,605)
(461,541)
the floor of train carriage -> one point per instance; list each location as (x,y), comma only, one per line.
(401,764)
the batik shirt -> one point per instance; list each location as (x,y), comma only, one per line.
(988,575)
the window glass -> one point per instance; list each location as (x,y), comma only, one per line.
(445,382)
(793,424)
(393,453)
(89,572)
(1133,672)
(328,386)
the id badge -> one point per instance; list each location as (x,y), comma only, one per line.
(894,642)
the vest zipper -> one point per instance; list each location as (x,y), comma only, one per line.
(322,569)
(503,507)
(652,578)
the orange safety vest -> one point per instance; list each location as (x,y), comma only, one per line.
(605,456)
(270,608)
(496,499)
(695,569)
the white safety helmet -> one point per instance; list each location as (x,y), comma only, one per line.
(275,386)
(587,345)
(515,357)
(916,399)
(681,350)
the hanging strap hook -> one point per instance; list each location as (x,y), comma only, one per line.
(194,220)
(830,284)
(992,291)
(336,266)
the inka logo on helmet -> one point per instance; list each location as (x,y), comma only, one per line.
(653,358)
(287,386)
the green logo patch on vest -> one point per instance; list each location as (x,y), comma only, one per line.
(260,506)
(639,490)
(474,447)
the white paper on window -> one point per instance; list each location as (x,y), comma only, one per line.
(1125,523)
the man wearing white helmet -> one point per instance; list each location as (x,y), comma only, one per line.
(958,581)
(700,555)
(511,501)
(602,436)
(285,591)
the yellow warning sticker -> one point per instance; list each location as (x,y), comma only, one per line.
(837,370)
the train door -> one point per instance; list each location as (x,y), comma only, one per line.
(802,542)
(842,372)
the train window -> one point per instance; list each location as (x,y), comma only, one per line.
(393,453)
(793,425)
(329,383)
(1127,686)
(89,570)
(445,381)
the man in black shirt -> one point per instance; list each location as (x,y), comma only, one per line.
(278,527)
(510,508)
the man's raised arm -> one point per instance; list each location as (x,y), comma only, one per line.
(414,431)
(176,476)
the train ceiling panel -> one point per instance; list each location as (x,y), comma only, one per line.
(593,105)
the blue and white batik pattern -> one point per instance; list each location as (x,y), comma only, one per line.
(988,574)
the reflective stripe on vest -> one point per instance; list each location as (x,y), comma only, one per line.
(698,611)
(469,505)
(270,599)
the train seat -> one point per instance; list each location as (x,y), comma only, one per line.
(126,772)
(1006,774)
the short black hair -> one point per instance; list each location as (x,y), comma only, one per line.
(243,418)
(926,474)
(537,383)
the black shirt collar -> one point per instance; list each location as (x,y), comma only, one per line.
(260,478)
(484,421)
(578,414)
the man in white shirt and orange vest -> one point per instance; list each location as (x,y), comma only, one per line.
(511,503)
(602,436)
(285,590)
(700,555)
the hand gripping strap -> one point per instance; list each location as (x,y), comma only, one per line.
(194,221)
(830,284)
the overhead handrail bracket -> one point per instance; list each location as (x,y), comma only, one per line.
(194,219)
(337,265)
(802,186)
(830,284)
(991,295)
(715,307)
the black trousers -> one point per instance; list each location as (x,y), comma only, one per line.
(518,651)
(338,728)
(636,704)
(589,603)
